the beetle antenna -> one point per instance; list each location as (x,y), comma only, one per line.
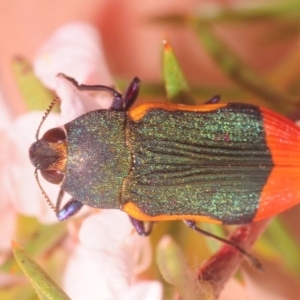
(54,101)
(43,192)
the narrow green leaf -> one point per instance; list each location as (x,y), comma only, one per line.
(232,66)
(238,14)
(174,269)
(248,12)
(48,236)
(243,75)
(42,238)
(35,95)
(45,287)
(175,84)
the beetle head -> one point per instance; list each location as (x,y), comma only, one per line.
(49,155)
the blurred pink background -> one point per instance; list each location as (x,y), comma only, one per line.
(132,44)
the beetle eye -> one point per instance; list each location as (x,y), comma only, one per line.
(54,135)
(53,176)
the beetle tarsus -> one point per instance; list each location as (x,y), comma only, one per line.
(215,99)
(71,79)
(254,261)
(140,227)
(70,209)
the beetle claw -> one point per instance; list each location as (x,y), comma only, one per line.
(140,227)
(215,99)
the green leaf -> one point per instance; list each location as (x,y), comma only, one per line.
(175,84)
(46,238)
(174,269)
(35,95)
(42,238)
(243,75)
(45,287)
(245,13)
(232,66)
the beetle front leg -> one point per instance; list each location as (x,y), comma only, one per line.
(118,101)
(140,226)
(71,208)
(95,88)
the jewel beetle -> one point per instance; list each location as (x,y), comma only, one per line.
(226,163)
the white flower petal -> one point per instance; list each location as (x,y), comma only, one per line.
(104,235)
(8,219)
(5,114)
(145,290)
(75,103)
(75,50)
(4,170)
(72,105)
(141,252)
(83,277)
(107,250)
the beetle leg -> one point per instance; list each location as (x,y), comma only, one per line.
(254,261)
(71,207)
(140,226)
(118,101)
(84,87)
(215,99)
